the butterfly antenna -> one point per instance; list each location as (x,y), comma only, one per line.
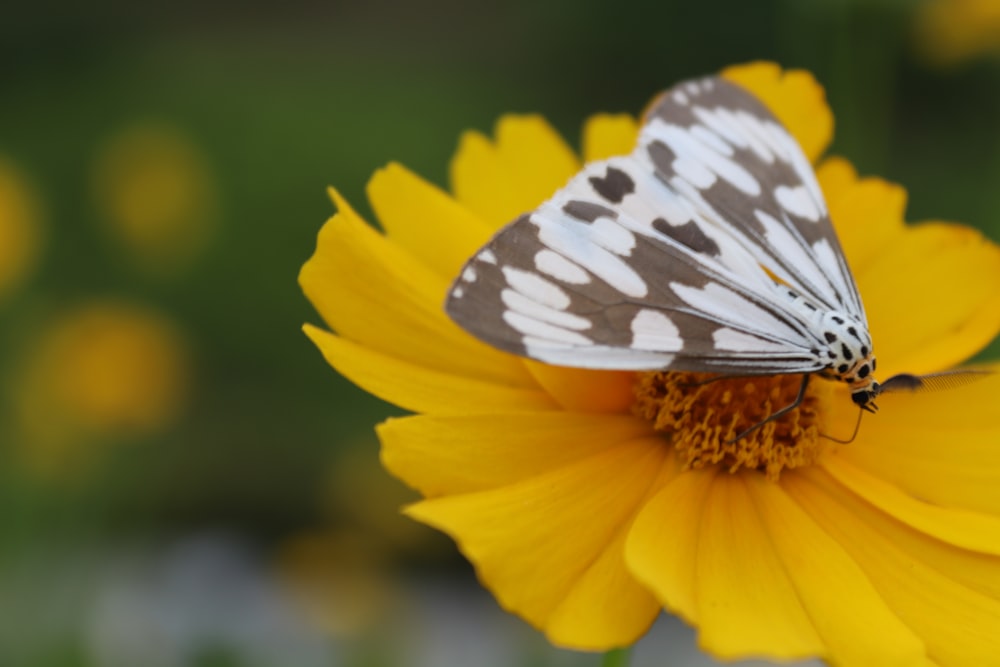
(857,427)
(933,381)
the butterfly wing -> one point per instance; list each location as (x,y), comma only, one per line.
(638,263)
(719,147)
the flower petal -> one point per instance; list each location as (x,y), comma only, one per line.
(939,446)
(794,97)
(585,390)
(550,548)
(969,530)
(851,617)
(746,601)
(946,595)
(734,555)
(500,181)
(662,547)
(607,135)
(932,298)
(867,212)
(370,291)
(417,388)
(425,220)
(439,455)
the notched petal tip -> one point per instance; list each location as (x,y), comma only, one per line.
(606,135)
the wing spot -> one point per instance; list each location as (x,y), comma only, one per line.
(519,303)
(653,330)
(829,336)
(533,328)
(846,351)
(842,368)
(587,211)
(614,185)
(614,237)
(689,234)
(469,274)
(797,201)
(536,288)
(557,266)
(487,256)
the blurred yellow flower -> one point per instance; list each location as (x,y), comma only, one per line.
(20,229)
(157,195)
(339,580)
(952,31)
(582,519)
(99,372)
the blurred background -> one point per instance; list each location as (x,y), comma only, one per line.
(183,480)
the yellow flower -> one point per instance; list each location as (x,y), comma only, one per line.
(98,372)
(157,196)
(583,520)
(20,230)
(952,31)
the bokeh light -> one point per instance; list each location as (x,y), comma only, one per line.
(949,32)
(157,196)
(20,229)
(99,372)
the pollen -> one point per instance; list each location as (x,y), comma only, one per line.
(702,415)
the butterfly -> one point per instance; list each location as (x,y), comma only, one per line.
(709,248)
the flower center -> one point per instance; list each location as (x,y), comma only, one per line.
(703,419)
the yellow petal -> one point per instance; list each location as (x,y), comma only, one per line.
(794,97)
(607,135)
(946,595)
(550,548)
(850,616)
(867,213)
(418,388)
(439,455)
(370,291)
(975,570)
(932,298)
(584,390)
(662,547)
(499,181)
(969,530)
(939,446)
(747,603)
(425,220)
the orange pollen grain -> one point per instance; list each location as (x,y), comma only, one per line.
(702,419)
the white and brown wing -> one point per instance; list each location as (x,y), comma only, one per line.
(651,261)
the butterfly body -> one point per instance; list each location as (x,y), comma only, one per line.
(846,349)
(709,248)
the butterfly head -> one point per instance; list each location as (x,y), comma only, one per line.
(864,396)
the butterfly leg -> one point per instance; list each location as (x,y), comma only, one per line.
(717,378)
(777,413)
